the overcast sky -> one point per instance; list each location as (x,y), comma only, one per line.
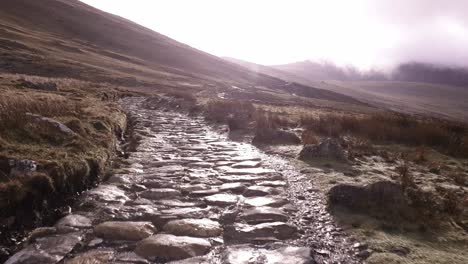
(364,33)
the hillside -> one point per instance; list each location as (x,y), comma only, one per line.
(79,41)
(435,99)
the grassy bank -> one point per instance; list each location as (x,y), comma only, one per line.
(57,137)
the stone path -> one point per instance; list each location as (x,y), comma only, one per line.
(192,196)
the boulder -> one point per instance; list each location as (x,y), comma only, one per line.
(170,247)
(276,137)
(52,123)
(328,149)
(132,231)
(382,199)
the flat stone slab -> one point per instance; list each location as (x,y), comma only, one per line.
(178,203)
(264,214)
(121,230)
(186,188)
(100,256)
(242,178)
(205,192)
(108,193)
(246,254)
(260,191)
(222,199)
(235,187)
(194,227)
(266,201)
(246,164)
(279,230)
(163,193)
(73,221)
(191,212)
(272,183)
(170,247)
(47,250)
(246,171)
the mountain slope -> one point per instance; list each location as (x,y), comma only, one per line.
(410,97)
(67,38)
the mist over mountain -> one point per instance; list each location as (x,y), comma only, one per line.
(409,71)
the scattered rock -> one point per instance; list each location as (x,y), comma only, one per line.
(170,247)
(194,227)
(328,149)
(133,231)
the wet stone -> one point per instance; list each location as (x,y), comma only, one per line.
(246,254)
(107,193)
(204,192)
(246,171)
(242,178)
(170,247)
(264,214)
(222,199)
(235,187)
(195,260)
(186,188)
(101,256)
(194,227)
(178,203)
(73,221)
(245,232)
(246,164)
(46,250)
(272,183)
(191,212)
(132,231)
(163,193)
(260,191)
(266,201)
(158,184)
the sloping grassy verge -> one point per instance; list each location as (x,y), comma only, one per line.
(70,132)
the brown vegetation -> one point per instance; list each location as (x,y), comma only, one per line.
(237,114)
(449,137)
(69,133)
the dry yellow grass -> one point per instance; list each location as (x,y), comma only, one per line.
(67,162)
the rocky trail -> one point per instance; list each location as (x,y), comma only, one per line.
(191,195)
